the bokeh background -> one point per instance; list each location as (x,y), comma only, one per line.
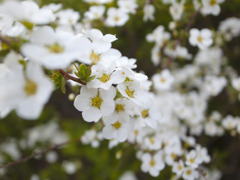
(103,163)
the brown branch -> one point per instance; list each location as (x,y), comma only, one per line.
(193,17)
(34,155)
(66,75)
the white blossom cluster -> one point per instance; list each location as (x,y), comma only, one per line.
(160,116)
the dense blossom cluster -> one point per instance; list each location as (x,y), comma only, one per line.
(160,116)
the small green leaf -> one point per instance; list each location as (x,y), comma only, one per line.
(57,79)
(63,85)
(90,78)
(83,71)
(77,74)
(89,71)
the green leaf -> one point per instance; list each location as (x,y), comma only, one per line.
(82,71)
(57,79)
(63,85)
(89,71)
(77,74)
(90,78)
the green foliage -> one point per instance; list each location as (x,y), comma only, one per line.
(58,80)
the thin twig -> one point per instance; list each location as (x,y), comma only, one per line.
(57,146)
(193,17)
(66,75)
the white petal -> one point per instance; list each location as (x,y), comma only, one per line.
(108,132)
(93,114)
(107,107)
(82,103)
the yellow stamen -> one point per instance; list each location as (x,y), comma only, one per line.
(55,48)
(119,107)
(145,113)
(95,58)
(105,78)
(129,92)
(152,162)
(30,88)
(97,102)
(117,125)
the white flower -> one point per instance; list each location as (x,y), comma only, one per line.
(53,50)
(90,137)
(70,167)
(128,175)
(202,39)
(192,159)
(98,1)
(116,17)
(149,11)
(176,10)
(53,7)
(27,11)
(211,7)
(118,131)
(190,173)
(98,51)
(213,85)
(152,164)
(128,6)
(153,142)
(132,91)
(210,129)
(236,83)
(230,28)
(149,114)
(51,156)
(159,36)
(123,108)
(104,77)
(95,12)
(202,153)
(178,167)
(163,81)
(68,17)
(95,103)
(26,94)
(229,122)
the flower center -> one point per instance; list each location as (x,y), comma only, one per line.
(212,2)
(180,167)
(152,162)
(105,78)
(95,58)
(97,102)
(119,107)
(163,80)
(116,18)
(55,48)
(117,125)
(191,160)
(188,172)
(151,139)
(129,92)
(30,88)
(173,155)
(145,113)
(199,39)
(136,132)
